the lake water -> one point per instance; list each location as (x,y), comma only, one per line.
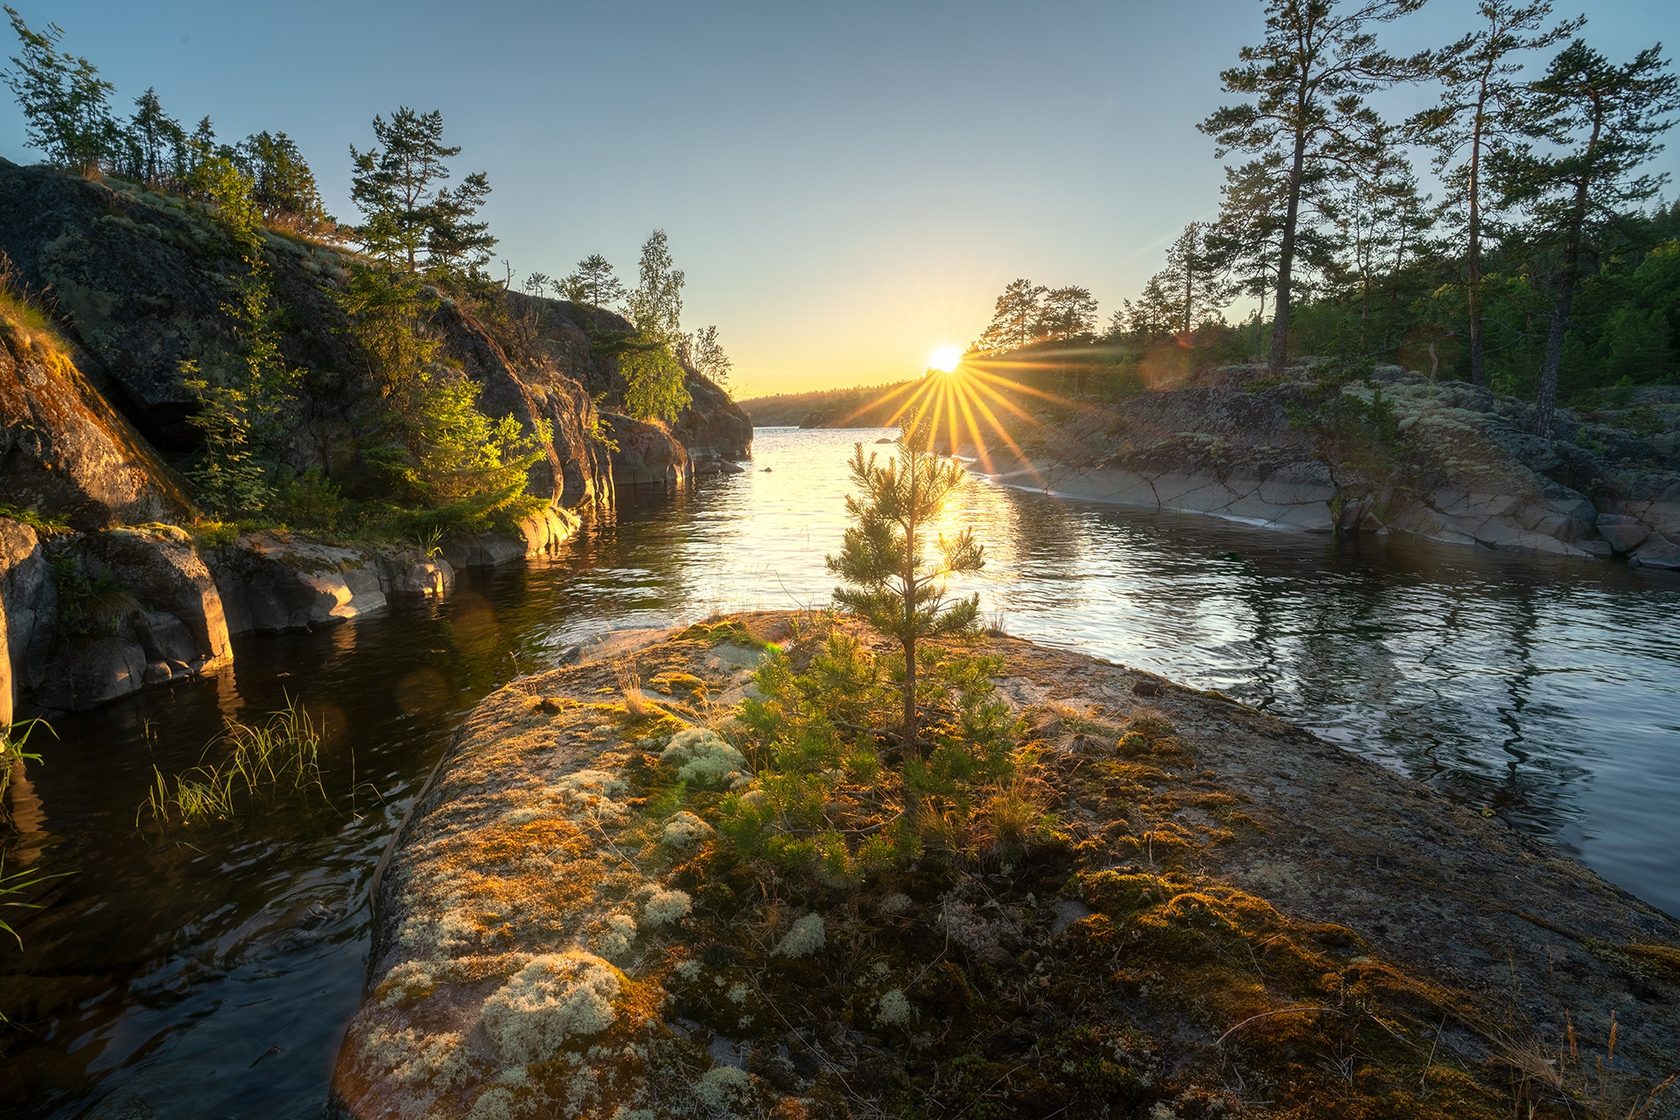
(212,973)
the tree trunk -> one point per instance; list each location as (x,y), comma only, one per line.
(1473,253)
(1286,258)
(1546,403)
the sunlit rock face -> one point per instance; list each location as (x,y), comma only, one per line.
(63,450)
(649,456)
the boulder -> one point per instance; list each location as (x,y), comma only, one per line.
(166,574)
(1621,532)
(648,456)
(273,582)
(1657,552)
(29,602)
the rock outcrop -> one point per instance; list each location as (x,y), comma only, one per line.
(561,928)
(1392,453)
(139,281)
(64,449)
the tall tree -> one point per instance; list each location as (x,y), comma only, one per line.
(1192,273)
(1015,317)
(655,384)
(1481,109)
(154,138)
(896,583)
(283,186)
(64,99)
(1381,219)
(1308,80)
(593,283)
(1068,312)
(413,219)
(1599,123)
(706,355)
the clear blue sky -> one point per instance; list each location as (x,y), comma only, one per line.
(846,185)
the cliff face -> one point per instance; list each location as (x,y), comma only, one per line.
(139,281)
(64,449)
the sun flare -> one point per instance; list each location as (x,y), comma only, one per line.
(945,358)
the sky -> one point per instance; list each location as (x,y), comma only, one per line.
(846,186)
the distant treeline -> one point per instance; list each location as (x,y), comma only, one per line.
(872,406)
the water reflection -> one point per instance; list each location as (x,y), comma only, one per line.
(214,977)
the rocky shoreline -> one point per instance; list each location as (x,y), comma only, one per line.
(1235,919)
(1391,453)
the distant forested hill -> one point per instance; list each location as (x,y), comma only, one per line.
(870,406)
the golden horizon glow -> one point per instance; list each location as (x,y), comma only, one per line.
(945,358)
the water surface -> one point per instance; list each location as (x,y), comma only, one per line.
(212,974)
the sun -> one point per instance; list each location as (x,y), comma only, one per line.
(945,358)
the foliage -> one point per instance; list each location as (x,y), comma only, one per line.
(655,386)
(228,478)
(14,754)
(259,762)
(822,800)
(412,219)
(282,185)
(593,283)
(89,606)
(64,99)
(1304,88)
(1601,123)
(893,583)
(702,352)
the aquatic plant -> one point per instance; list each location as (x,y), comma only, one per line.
(279,755)
(13,755)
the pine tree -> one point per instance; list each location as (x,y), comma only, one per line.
(64,99)
(1600,123)
(1015,317)
(1308,80)
(154,138)
(1192,276)
(283,186)
(1069,312)
(593,283)
(414,220)
(1481,107)
(894,583)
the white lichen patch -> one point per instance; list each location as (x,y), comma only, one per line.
(435,1061)
(443,927)
(407,982)
(617,937)
(724,1088)
(664,907)
(804,937)
(893,1009)
(554,998)
(702,759)
(684,830)
(589,793)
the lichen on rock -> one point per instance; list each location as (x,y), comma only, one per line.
(555,998)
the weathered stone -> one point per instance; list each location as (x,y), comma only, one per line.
(64,450)
(1622,533)
(166,574)
(273,583)
(164,638)
(1657,552)
(94,672)
(158,672)
(431,579)
(483,550)
(31,603)
(648,456)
